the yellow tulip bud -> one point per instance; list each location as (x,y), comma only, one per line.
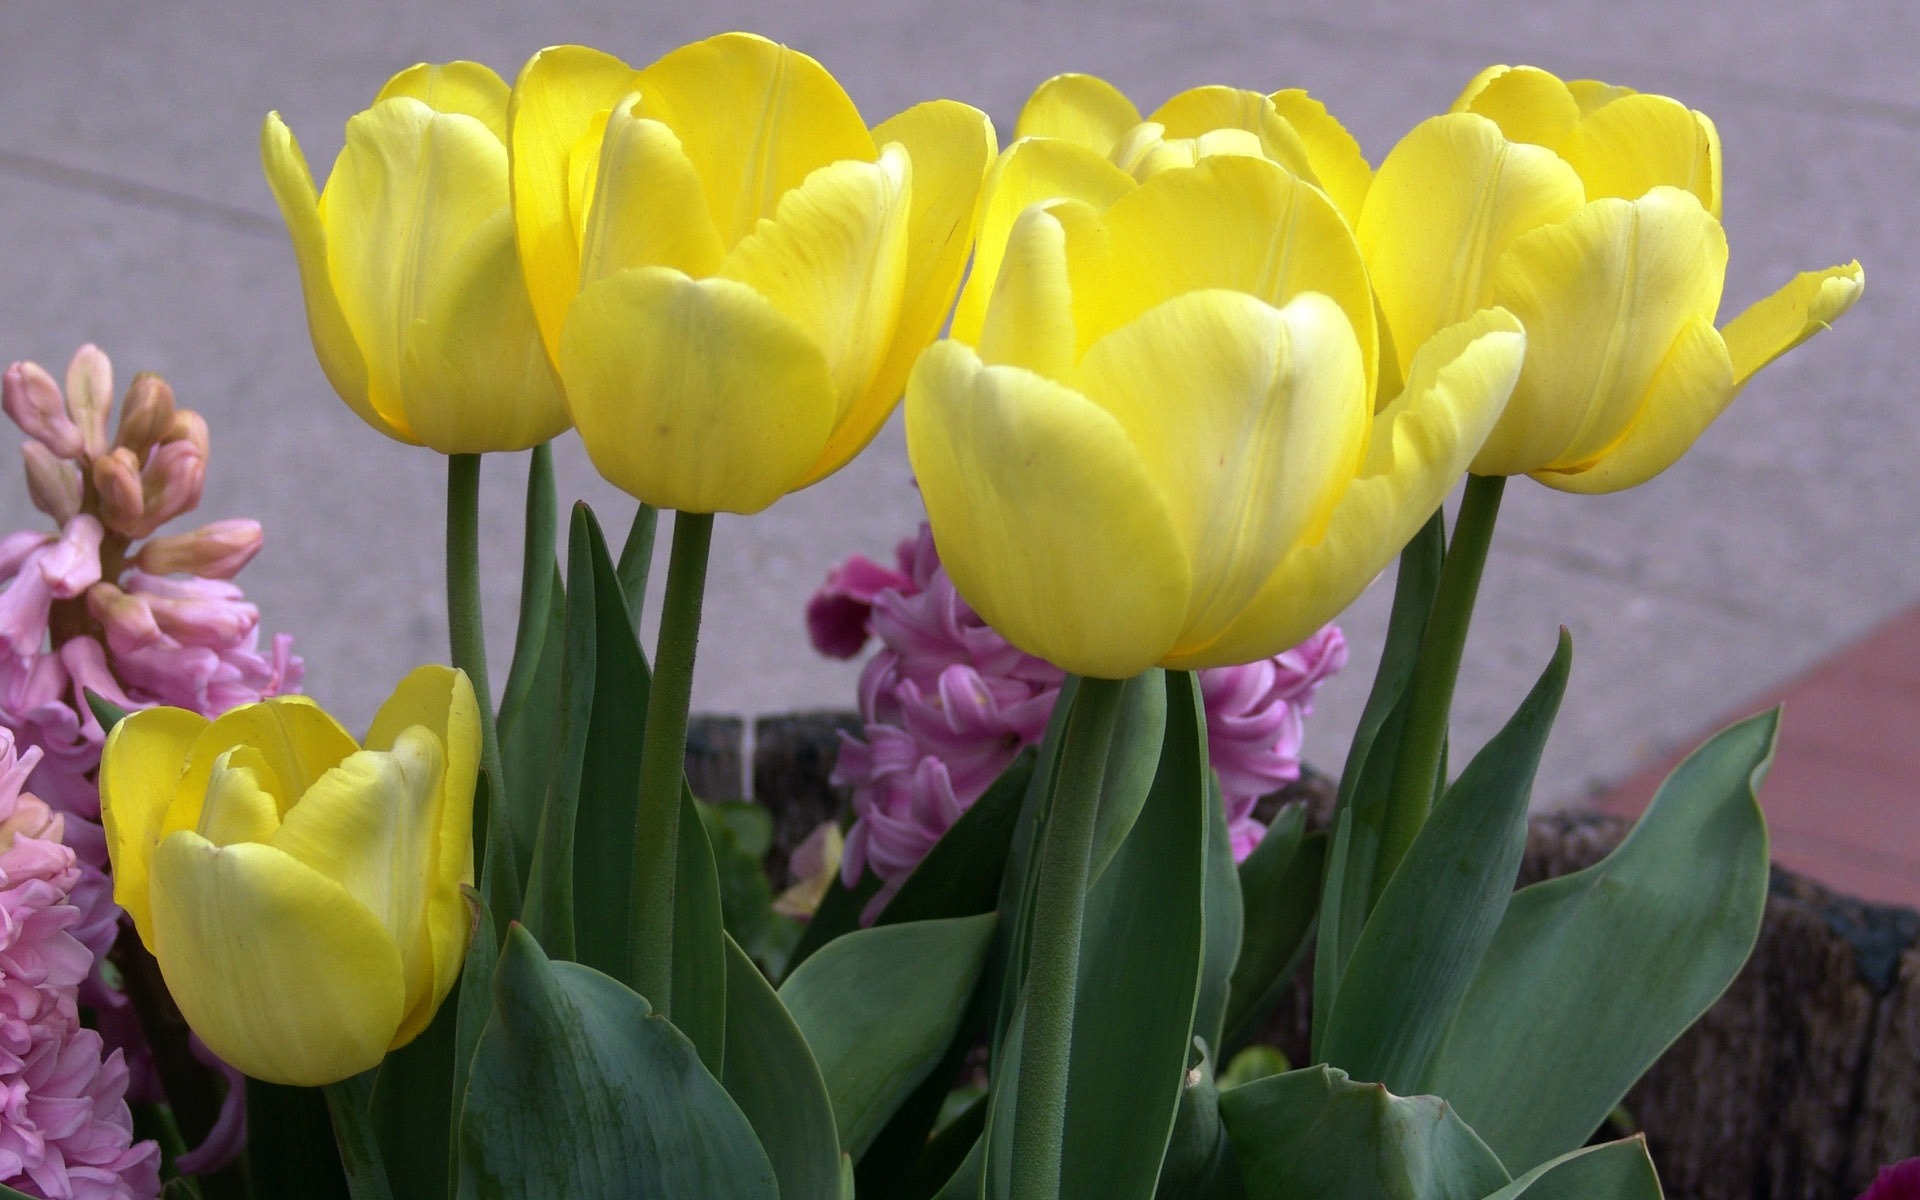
(1592,212)
(1159,443)
(414,298)
(301,892)
(731,272)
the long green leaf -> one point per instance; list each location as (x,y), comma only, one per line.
(1421,946)
(1593,974)
(699,941)
(1314,1134)
(1280,893)
(348,1103)
(473,1006)
(1133,756)
(636,560)
(879,1006)
(772,1076)
(529,702)
(412,1108)
(549,912)
(960,876)
(1224,924)
(1613,1171)
(578,1091)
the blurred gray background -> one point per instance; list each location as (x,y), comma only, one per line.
(133,214)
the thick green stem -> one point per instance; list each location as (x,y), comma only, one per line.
(663,753)
(469,643)
(1416,773)
(1053,957)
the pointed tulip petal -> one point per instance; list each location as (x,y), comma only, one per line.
(298,742)
(1694,385)
(1603,296)
(1420,445)
(1627,148)
(1444,206)
(555,99)
(694,395)
(1812,301)
(238,808)
(1528,104)
(648,208)
(1030,319)
(244,934)
(1082,109)
(333,342)
(755,118)
(456,87)
(139,776)
(1333,153)
(1252,420)
(1197,110)
(1050,526)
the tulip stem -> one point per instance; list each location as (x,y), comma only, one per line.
(1053,956)
(663,754)
(468,637)
(1416,775)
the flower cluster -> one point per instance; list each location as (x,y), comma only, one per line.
(947,704)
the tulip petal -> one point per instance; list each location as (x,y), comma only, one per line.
(1694,385)
(298,742)
(238,808)
(279,970)
(1603,295)
(1082,109)
(1528,104)
(1214,106)
(1029,172)
(455,87)
(952,145)
(647,207)
(694,394)
(1251,420)
(140,769)
(1044,514)
(555,99)
(1235,223)
(1030,318)
(333,342)
(833,260)
(1444,206)
(1641,142)
(1810,302)
(441,700)
(755,118)
(1419,445)
(1332,152)
(373,824)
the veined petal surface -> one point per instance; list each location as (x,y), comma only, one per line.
(1083,109)
(1528,104)
(1333,153)
(648,208)
(1810,302)
(297,742)
(1640,142)
(455,87)
(1196,111)
(140,768)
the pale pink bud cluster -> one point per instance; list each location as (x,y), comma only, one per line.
(947,704)
(65,1129)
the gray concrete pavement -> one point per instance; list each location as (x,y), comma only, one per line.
(133,213)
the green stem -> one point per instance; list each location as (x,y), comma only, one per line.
(1416,773)
(1053,957)
(469,644)
(663,753)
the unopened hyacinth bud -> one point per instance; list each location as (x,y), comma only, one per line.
(33,402)
(53,483)
(90,397)
(116,477)
(148,414)
(216,551)
(128,620)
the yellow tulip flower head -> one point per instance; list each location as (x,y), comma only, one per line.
(301,893)
(1159,442)
(1592,212)
(414,297)
(731,272)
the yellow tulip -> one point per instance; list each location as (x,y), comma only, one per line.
(731,272)
(1161,444)
(301,893)
(1591,212)
(414,298)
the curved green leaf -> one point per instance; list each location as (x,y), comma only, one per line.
(579,1091)
(1224,924)
(1317,1135)
(1614,1171)
(1593,974)
(1280,893)
(771,1075)
(530,702)
(1133,756)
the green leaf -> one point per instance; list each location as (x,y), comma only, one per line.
(636,560)
(1317,1135)
(1614,1171)
(1421,946)
(531,732)
(529,703)
(879,1006)
(549,911)
(1223,923)
(1280,892)
(1017,880)
(838,914)
(1198,1154)
(739,832)
(772,1076)
(1133,755)
(354,1134)
(1592,975)
(108,714)
(699,941)
(578,1091)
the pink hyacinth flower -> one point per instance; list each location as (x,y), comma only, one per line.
(1901,1181)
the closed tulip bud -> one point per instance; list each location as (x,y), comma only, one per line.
(414,298)
(1593,213)
(300,890)
(216,551)
(147,416)
(90,397)
(33,402)
(116,476)
(53,483)
(731,271)
(1164,446)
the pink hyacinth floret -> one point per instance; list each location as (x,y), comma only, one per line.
(947,704)
(1901,1181)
